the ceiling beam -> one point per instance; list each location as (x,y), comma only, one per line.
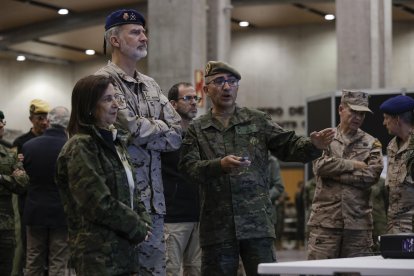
(62,24)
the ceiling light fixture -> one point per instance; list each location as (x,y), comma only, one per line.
(63,11)
(244,24)
(59,10)
(90,52)
(327,16)
(21,58)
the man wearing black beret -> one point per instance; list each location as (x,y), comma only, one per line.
(226,151)
(150,119)
(399,121)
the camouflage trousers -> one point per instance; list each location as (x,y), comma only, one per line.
(151,253)
(329,243)
(223,259)
(7,245)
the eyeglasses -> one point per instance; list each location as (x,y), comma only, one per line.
(119,98)
(189,98)
(3,121)
(219,82)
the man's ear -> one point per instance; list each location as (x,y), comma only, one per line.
(114,41)
(174,103)
(205,89)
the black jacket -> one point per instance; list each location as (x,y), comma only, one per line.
(181,195)
(43,205)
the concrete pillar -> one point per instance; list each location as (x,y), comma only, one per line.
(219,30)
(177,46)
(364,38)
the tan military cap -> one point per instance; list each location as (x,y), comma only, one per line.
(216,67)
(356,100)
(39,106)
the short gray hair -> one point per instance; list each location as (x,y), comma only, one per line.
(114,31)
(59,116)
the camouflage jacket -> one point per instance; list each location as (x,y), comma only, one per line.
(8,185)
(155,127)
(400,183)
(238,205)
(342,194)
(103,229)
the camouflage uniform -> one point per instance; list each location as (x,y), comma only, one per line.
(8,185)
(341,210)
(236,207)
(155,127)
(401,186)
(103,229)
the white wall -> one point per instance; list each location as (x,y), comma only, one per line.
(282,67)
(21,82)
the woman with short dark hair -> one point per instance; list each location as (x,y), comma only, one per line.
(106,220)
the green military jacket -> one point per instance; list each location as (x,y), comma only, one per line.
(103,229)
(237,206)
(9,185)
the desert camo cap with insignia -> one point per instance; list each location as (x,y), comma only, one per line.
(356,100)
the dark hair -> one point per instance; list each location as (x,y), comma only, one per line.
(85,96)
(173,93)
(407,117)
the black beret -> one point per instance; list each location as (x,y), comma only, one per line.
(125,16)
(216,67)
(397,105)
(1,115)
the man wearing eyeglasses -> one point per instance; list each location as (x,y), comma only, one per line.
(181,195)
(226,152)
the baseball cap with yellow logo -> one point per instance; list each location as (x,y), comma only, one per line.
(39,106)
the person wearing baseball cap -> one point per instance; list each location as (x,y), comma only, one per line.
(38,110)
(340,222)
(151,120)
(226,153)
(399,121)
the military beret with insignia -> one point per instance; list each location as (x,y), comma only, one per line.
(39,106)
(216,67)
(1,115)
(124,16)
(397,105)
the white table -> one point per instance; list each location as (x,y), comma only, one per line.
(371,265)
